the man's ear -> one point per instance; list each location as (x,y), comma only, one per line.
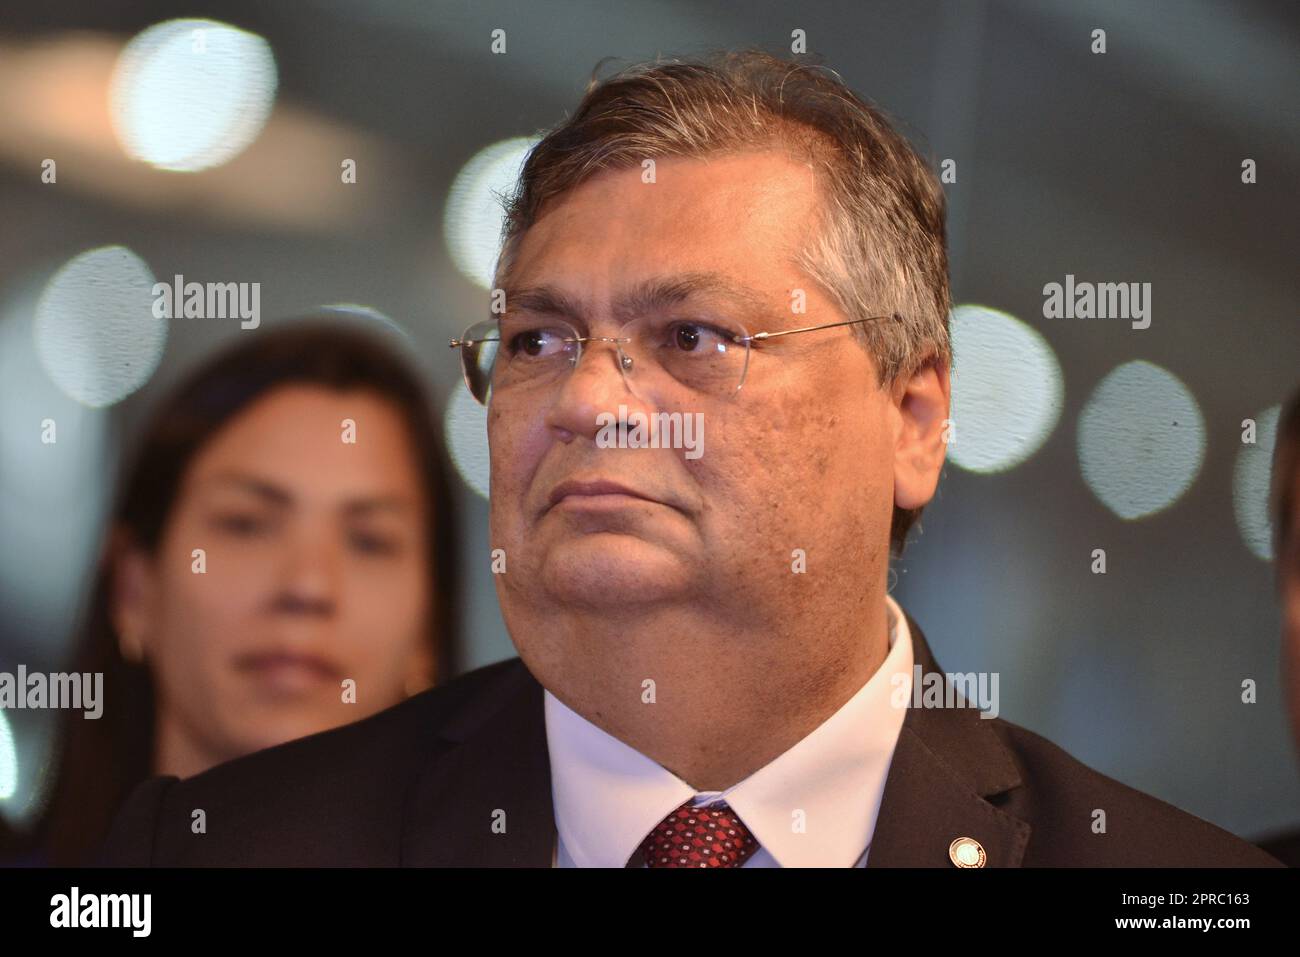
(131,604)
(922,401)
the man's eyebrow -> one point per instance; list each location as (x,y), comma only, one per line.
(650,295)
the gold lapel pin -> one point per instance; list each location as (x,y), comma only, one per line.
(967,852)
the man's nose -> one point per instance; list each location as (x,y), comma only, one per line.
(596,385)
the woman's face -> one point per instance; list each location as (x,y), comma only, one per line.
(290,590)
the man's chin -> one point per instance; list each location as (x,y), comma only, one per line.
(616,570)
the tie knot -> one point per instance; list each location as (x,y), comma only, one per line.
(699,837)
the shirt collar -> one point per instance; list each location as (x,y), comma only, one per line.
(815,805)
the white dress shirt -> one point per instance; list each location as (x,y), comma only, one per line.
(608,796)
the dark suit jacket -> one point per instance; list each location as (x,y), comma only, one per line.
(421,784)
(1285,847)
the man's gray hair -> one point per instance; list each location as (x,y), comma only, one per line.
(880,247)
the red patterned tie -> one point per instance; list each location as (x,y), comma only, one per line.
(699,837)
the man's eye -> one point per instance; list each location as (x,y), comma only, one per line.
(697,337)
(537,343)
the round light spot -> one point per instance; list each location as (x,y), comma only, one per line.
(367,314)
(8,760)
(41,480)
(1250,484)
(466,426)
(475,210)
(1007,390)
(96,334)
(191,94)
(1141,440)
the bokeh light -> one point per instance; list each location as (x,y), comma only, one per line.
(8,760)
(54,493)
(465,424)
(187,95)
(367,315)
(1141,440)
(1007,390)
(1250,484)
(96,334)
(475,212)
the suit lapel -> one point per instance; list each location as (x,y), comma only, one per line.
(947,763)
(485,801)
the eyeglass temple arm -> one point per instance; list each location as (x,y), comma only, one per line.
(457,343)
(759,336)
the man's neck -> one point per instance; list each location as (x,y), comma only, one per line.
(712,705)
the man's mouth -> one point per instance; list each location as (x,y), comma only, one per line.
(595,494)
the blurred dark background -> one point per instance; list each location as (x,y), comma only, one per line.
(1072,434)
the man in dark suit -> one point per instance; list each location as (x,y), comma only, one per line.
(459,776)
(711,671)
(1284,507)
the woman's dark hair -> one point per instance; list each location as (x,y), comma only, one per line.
(100,761)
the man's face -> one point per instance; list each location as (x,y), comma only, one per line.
(802,457)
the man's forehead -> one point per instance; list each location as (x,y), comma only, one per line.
(745,204)
(570,297)
(768,171)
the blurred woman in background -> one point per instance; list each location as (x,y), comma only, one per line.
(281,561)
